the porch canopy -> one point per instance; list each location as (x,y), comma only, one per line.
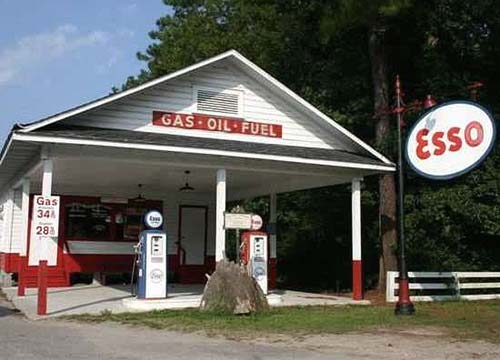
(107,147)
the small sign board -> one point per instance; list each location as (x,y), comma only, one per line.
(46,216)
(237,221)
(450,140)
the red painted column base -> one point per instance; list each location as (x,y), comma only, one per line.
(404,306)
(357,280)
(42,288)
(21,278)
(272,274)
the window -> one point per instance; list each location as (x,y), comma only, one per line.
(92,221)
(216,101)
(86,218)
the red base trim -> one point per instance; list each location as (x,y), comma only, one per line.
(272,273)
(404,292)
(9,262)
(357,280)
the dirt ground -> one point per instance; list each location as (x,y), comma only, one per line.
(394,344)
(25,339)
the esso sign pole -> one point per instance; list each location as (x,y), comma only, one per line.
(447,141)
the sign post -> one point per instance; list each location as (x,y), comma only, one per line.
(45,224)
(404,306)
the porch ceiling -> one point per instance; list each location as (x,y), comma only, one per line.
(104,171)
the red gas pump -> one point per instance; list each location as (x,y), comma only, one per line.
(254,255)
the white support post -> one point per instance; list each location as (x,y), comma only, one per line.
(47,177)
(220,208)
(272,219)
(357,278)
(25,204)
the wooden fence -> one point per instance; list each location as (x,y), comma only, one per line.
(439,286)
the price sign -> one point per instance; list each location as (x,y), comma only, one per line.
(46,216)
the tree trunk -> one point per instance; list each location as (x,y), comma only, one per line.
(387,185)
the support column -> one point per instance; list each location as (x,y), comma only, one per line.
(273,201)
(220,208)
(357,270)
(42,264)
(21,278)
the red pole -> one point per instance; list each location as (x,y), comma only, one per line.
(21,278)
(42,288)
(357,280)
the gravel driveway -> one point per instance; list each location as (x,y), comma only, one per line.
(54,339)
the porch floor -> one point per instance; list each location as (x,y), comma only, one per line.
(95,298)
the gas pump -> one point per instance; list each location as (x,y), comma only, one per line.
(152,262)
(253,254)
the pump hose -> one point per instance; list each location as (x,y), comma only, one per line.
(132,287)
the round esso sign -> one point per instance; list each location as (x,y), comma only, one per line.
(256,223)
(153,219)
(450,140)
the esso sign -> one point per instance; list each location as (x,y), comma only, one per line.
(153,219)
(450,140)
(256,223)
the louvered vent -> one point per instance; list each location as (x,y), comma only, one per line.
(217,102)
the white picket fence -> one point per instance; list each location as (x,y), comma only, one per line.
(451,284)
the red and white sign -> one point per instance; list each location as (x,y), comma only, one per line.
(256,222)
(216,123)
(450,140)
(46,216)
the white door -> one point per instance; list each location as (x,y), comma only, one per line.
(193,230)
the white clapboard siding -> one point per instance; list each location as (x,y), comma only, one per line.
(8,205)
(259,104)
(17,223)
(2,216)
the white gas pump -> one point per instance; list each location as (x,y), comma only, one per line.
(253,253)
(152,274)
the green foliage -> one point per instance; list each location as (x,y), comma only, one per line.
(319,49)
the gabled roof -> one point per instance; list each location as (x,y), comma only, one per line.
(108,137)
(247,66)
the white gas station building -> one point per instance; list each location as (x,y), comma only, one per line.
(186,143)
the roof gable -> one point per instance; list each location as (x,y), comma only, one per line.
(309,124)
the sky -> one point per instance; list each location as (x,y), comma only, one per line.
(57,54)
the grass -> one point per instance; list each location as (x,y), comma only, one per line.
(474,320)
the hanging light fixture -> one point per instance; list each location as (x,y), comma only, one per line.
(186,187)
(139,197)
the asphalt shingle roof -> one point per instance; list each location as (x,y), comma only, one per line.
(140,137)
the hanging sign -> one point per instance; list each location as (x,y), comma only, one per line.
(216,123)
(450,140)
(46,216)
(237,221)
